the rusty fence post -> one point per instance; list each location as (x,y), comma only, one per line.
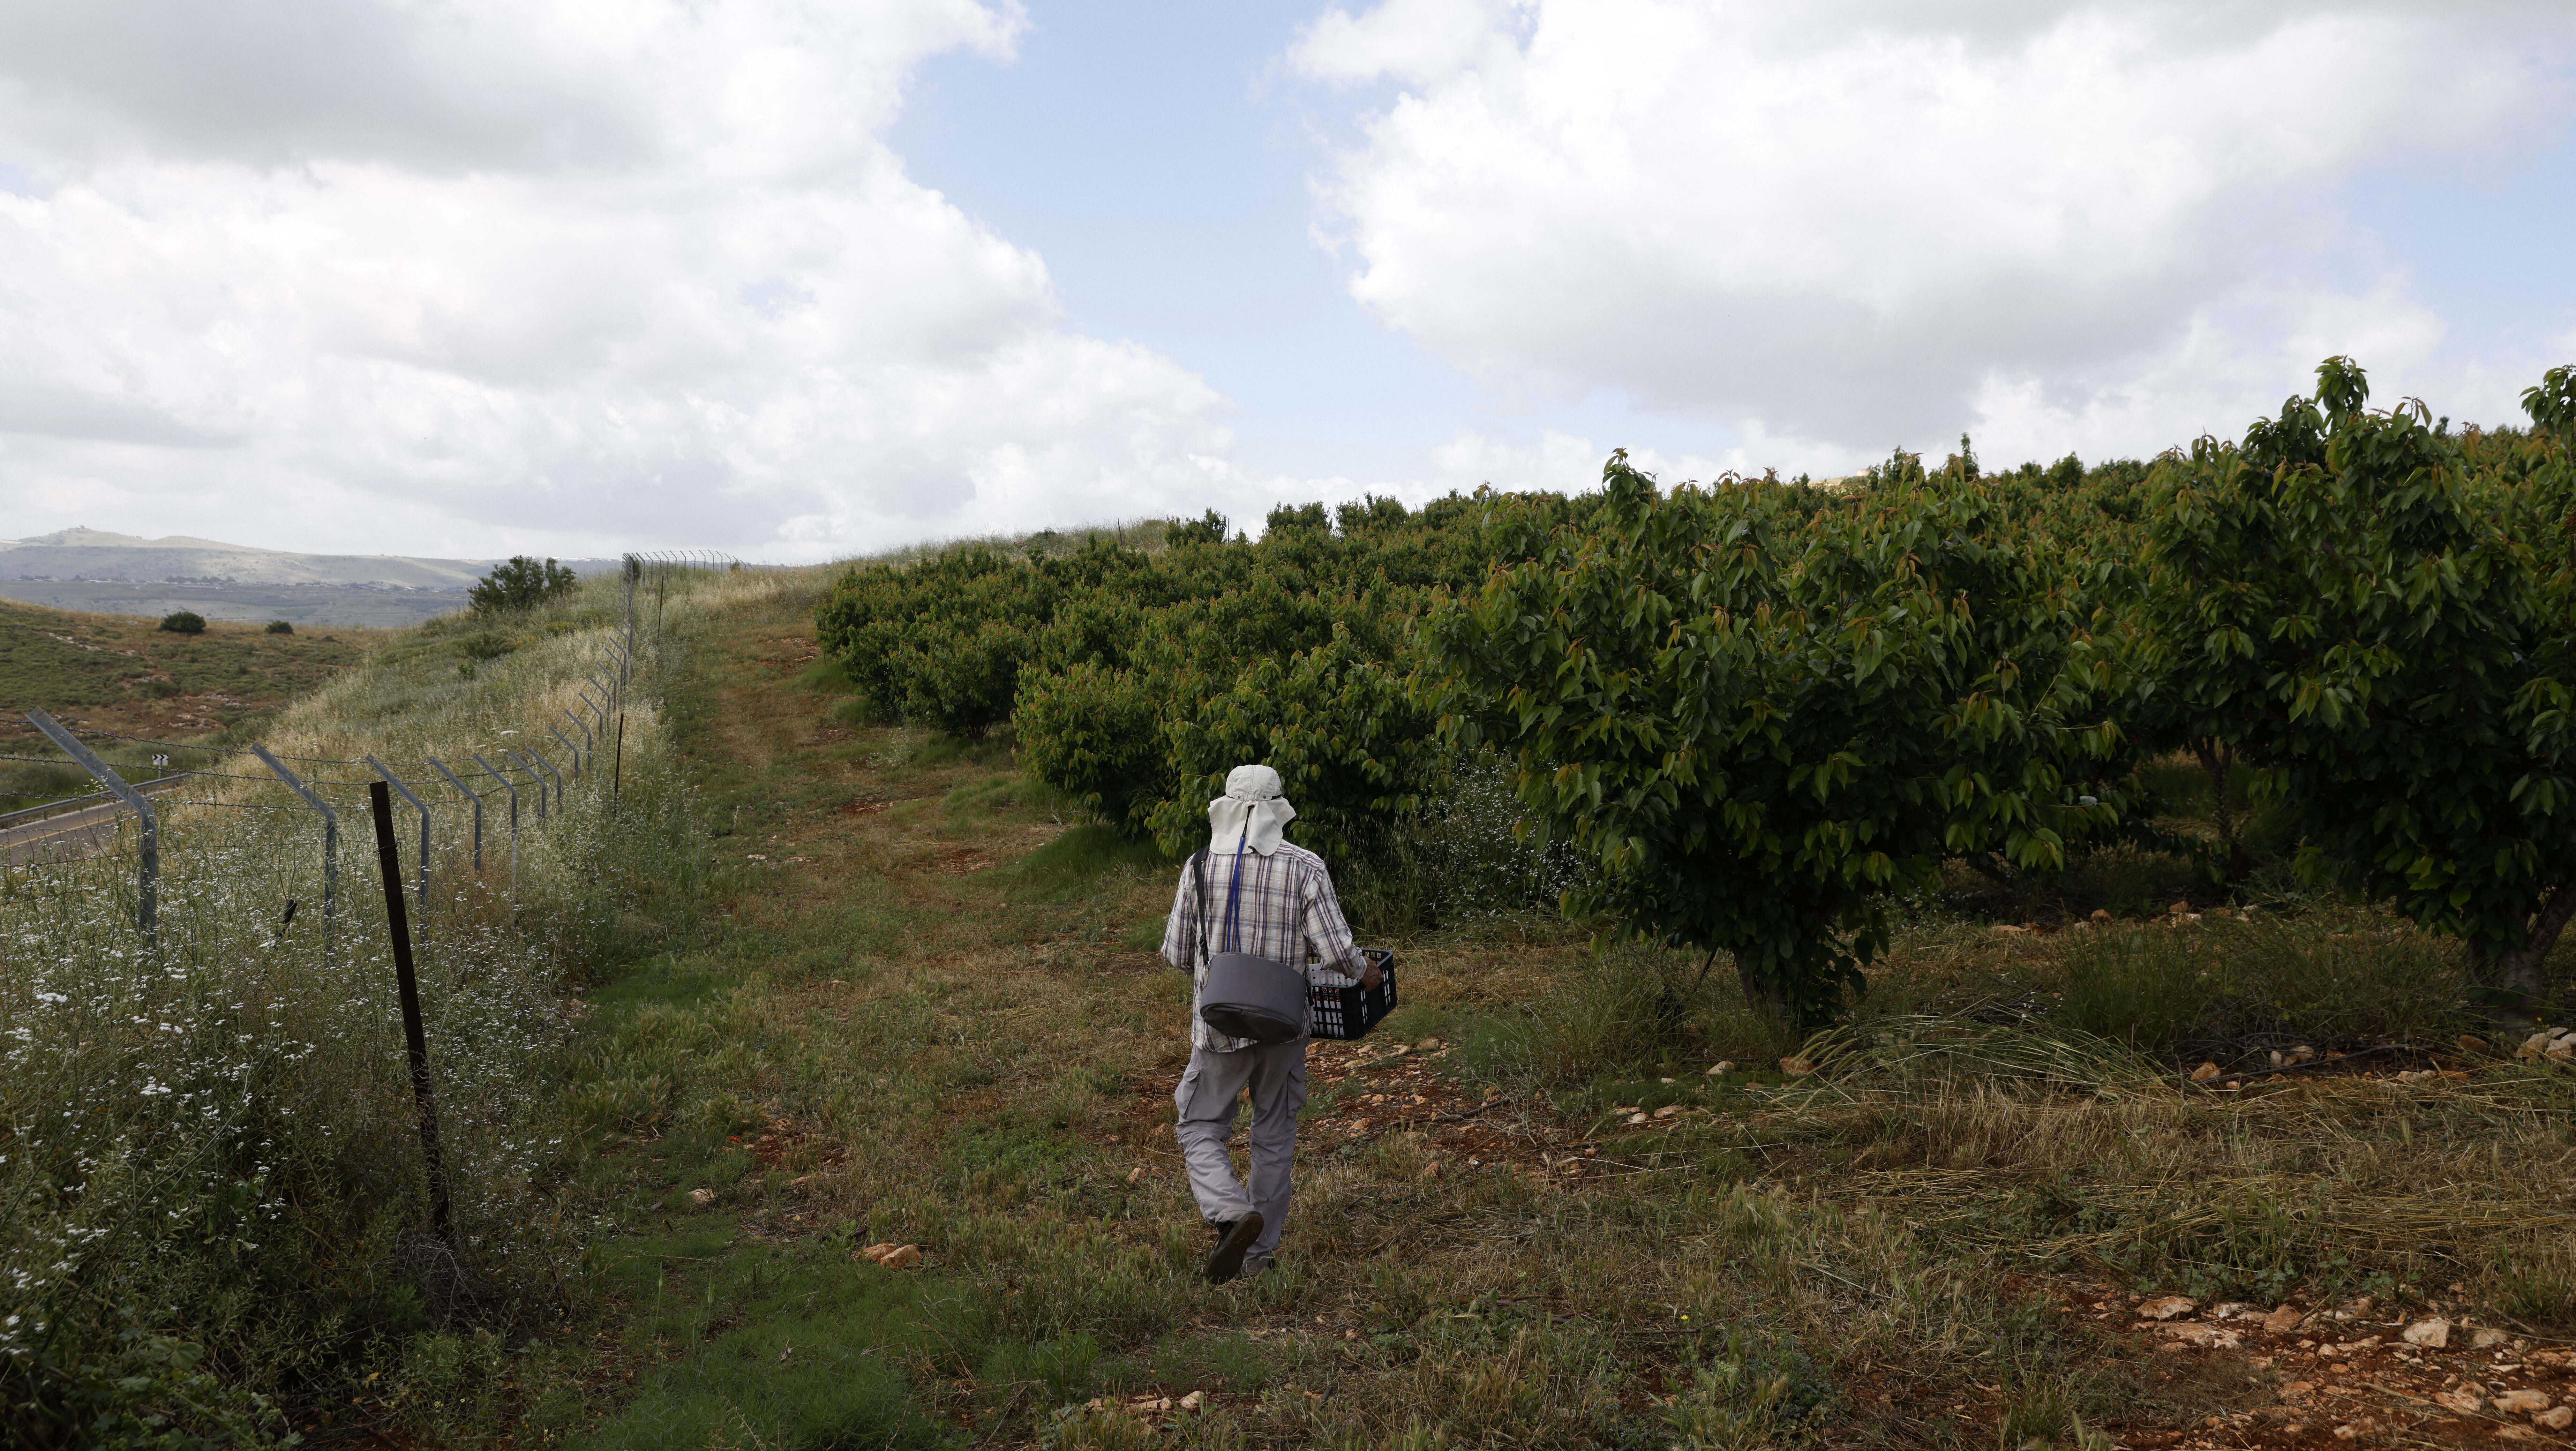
(407,985)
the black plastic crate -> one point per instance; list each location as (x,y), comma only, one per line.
(1344,1009)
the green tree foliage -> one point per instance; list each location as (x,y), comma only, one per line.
(184,622)
(1754,712)
(1133,679)
(2377,613)
(1758,710)
(518,583)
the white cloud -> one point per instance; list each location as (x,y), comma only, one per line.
(1855,223)
(551,273)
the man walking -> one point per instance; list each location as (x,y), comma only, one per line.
(1283,906)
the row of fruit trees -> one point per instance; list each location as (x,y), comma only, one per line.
(1758,711)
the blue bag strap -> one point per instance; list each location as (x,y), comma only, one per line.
(1234,895)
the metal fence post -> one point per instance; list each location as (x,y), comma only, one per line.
(572,750)
(512,787)
(478,810)
(396,782)
(330,830)
(424,1097)
(147,914)
(537,776)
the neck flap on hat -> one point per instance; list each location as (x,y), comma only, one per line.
(1250,813)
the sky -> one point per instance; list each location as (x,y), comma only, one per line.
(802,280)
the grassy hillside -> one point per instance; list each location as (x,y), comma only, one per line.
(121,673)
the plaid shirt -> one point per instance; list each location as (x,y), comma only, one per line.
(1287,908)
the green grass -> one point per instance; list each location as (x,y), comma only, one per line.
(798,1349)
(2224,987)
(1071,865)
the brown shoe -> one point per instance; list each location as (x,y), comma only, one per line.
(1233,1242)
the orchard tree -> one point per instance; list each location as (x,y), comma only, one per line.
(2380,620)
(1758,710)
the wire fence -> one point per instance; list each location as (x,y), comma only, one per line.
(235,1051)
(491,791)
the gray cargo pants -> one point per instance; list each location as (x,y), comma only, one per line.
(1276,1074)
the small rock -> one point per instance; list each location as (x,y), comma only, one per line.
(2488,1336)
(2432,1334)
(1796,1067)
(901,1257)
(1193,1400)
(2231,1310)
(2346,1433)
(2514,1433)
(2101,914)
(2467,1403)
(1431,1170)
(1721,1067)
(702,1197)
(1427,1045)
(878,1250)
(1668,1110)
(2473,1042)
(2537,1044)
(1136,1174)
(2285,1318)
(2557,1420)
(2204,1073)
(1635,1119)
(2515,1403)
(2166,1308)
(2208,1337)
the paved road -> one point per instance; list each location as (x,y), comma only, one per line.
(73,834)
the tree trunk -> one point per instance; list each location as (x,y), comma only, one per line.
(2522,972)
(2219,761)
(1984,865)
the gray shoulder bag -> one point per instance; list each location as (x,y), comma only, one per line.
(1246,996)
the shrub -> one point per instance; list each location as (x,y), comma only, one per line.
(281,627)
(521,582)
(184,622)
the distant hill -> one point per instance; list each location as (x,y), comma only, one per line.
(100,571)
(97,556)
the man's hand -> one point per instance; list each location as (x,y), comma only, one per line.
(1370,977)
